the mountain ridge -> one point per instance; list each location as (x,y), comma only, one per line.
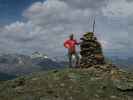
(100,82)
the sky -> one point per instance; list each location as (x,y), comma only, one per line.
(27,26)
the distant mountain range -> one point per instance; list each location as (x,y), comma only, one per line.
(4,76)
(17,64)
(13,65)
(125,63)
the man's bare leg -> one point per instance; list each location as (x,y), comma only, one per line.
(70,60)
(77,60)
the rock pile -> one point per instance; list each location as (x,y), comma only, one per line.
(91,51)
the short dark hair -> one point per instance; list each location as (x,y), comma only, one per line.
(71,36)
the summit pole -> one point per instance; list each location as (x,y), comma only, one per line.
(94,25)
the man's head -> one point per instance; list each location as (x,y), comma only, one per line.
(71,37)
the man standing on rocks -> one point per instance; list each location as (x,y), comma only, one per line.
(70,44)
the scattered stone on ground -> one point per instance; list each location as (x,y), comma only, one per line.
(100,82)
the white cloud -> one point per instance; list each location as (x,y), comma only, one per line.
(119,8)
(50,23)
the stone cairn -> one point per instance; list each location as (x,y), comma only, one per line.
(91,51)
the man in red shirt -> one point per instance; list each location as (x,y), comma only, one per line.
(70,44)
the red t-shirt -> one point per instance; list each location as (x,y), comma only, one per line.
(71,45)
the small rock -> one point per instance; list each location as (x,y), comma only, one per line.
(113,97)
(62,84)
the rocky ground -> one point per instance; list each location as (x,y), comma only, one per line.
(100,82)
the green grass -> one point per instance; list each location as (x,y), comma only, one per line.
(68,84)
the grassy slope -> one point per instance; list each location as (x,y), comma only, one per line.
(68,84)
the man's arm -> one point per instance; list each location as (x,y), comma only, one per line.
(66,45)
(77,43)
